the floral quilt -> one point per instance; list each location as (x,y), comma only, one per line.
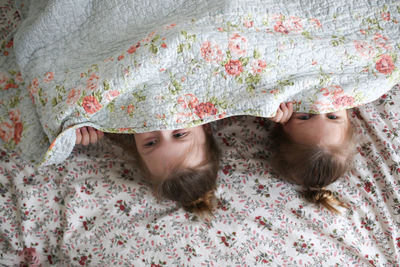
(96,210)
(158,70)
(133,66)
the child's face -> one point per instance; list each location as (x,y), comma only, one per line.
(321,129)
(161,150)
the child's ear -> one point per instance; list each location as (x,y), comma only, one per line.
(207,128)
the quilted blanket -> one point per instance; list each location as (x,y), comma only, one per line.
(133,66)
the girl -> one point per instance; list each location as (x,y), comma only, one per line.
(313,150)
(182,164)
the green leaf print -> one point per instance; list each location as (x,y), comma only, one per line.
(307,35)
(42,99)
(155,38)
(323,80)
(153,49)
(250,88)
(254,79)
(60,89)
(54,102)
(14,102)
(337,40)
(111,106)
(285,83)
(244,61)
(106,85)
(139,96)
(180,48)
(98,96)
(184,33)
(220,103)
(239,79)
(176,86)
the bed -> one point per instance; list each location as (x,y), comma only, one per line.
(90,206)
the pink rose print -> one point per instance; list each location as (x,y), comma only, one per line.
(48,77)
(18,77)
(112,94)
(10,85)
(3,79)
(133,48)
(14,115)
(73,96)
(130,109)
(334,90)
(258,66)
(248,23)
(295,24)
(343,101)
(91,105)
(316,23)
(364,49)
(385,16)
(234,67)
(5,82)
(188,101)
(92,82)
(18,128)
(279,27)
(6,131)
(205,109)
(210,52)
(238,45)
(384,64)
(382,41)
(34,86)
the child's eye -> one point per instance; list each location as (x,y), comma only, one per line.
(332,117)
(180,134)
(304,117)
(151,143)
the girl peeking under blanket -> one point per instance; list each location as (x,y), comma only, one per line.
(182,164)
(313,150)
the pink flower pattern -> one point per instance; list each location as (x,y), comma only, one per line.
(234,67)
(238,45)
(211,52)
(384,64)
(279,27)
(92,82)
(258,66)
(112,94)
(364,49)
(91,105)
(73,96)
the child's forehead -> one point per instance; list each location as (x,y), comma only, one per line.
(329,132)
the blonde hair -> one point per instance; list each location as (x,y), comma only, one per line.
(313,166)
(193,188)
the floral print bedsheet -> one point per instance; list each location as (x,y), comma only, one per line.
(133,66)
(95,209)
